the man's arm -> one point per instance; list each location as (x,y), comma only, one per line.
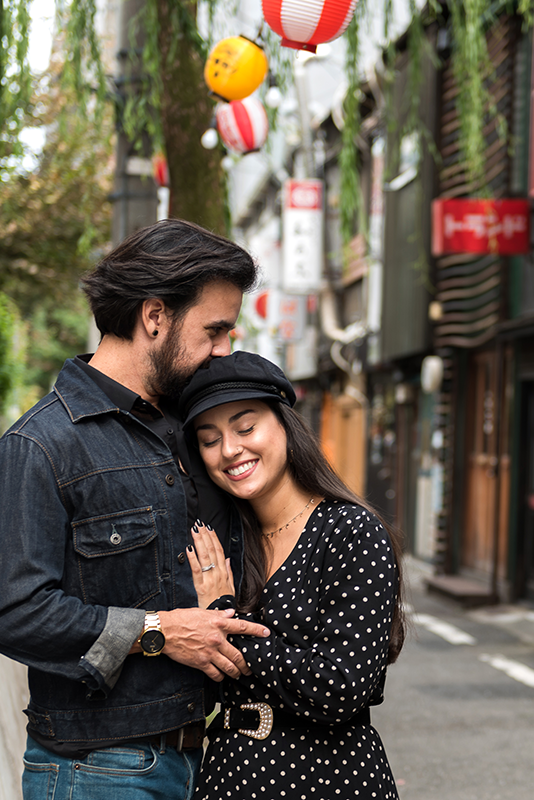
(197,637)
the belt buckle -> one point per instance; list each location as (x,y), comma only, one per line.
(266,720)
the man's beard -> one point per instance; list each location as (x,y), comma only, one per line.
(171,370)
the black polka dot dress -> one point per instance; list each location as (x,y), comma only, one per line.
(329,608)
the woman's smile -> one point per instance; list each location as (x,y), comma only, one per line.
(239,470)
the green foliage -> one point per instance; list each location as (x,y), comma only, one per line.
(281,61)
(142,109)
(350,191)
(54,334)
(83,70)
(8,364)
(53,223)
(472,66)
(15,80)
(525,8)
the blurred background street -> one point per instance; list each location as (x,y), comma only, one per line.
(458,719)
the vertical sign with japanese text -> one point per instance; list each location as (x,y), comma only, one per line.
(302,236)
(292,317)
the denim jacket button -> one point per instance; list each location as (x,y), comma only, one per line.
(115,538)
(191,707)
(181,558)
(169,479)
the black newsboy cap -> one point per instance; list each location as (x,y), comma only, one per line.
(239,376)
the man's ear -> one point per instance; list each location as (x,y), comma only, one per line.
(153,316)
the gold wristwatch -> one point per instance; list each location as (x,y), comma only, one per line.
(152,640)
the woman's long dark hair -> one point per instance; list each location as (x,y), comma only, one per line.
(311,471)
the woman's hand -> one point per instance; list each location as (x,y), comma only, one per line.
(212,574)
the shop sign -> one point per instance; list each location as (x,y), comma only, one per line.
(302,236)
(471,225)
(292,317)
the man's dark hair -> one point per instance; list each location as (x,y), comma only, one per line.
(172,260)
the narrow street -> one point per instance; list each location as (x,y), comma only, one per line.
(458,720)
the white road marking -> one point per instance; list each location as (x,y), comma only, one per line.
(519,672)
(447,631)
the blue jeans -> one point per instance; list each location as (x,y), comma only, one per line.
(137,772)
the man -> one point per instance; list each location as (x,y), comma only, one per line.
(99,494)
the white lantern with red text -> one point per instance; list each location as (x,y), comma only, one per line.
(243,125)
(303,24)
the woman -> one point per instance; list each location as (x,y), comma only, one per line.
(320,571)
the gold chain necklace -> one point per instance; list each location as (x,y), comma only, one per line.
(287,524)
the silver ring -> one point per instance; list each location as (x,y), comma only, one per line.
(210,566)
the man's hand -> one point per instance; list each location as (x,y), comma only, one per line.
(197,637)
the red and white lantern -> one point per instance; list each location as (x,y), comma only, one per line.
(303,24)
(242,124)
(161,169)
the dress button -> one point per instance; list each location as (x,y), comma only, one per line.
(169,479)
(191,707)
(170,431)
(181,558)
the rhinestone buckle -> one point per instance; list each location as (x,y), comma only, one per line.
(266,720)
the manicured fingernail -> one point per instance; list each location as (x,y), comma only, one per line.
(209,527)
(194,529)
(198,522)
(190,548)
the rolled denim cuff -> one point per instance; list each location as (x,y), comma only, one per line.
(103,661)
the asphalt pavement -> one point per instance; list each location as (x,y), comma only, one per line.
(458,719)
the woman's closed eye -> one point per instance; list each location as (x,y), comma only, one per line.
(211,442)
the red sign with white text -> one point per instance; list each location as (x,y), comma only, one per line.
(480,226)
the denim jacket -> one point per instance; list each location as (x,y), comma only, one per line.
(94,532)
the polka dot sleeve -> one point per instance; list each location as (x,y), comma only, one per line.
(329,608)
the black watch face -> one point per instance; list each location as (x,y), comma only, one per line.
(152,641)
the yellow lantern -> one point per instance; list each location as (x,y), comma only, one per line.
(235,68)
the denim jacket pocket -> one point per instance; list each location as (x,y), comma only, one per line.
(122,544)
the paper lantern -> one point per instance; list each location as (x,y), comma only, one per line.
(235,68)
(260,304)
(243,125)
(160,169)
(303,24)
(431,374)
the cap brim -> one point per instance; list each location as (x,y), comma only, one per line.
(231,396)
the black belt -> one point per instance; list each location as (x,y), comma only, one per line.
(187,738)
(258,719)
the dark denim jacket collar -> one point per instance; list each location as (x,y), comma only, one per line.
(80,395)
